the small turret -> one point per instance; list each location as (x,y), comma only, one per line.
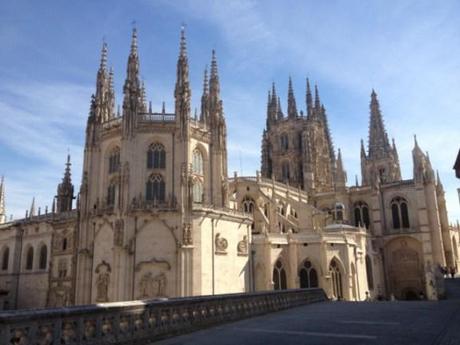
(32,208)
(423,172)
(439,186)
(341,175)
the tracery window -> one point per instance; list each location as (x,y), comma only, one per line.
(156,156)
(279,276)
(155,188)
(43,257)
(197,162)
(285,171)
(114,160)
(30,258)
(5,258)
(339,208)
(248,205)
(284,141)
(400,214)
(308,276)
(336,279)
(111,191)
(198,191)
(361,214)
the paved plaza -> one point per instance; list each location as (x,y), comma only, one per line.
(341,323)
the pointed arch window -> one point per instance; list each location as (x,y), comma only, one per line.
(336,279)
(43,257)
(285,172)
(114,160)
(308,276)
(5,258)
(400,213)
(155,188)
(111,192)
(361,214)
(29,258)
(279,276)
(197,162)
(284,142)
(248,205)
(198,191)
(156,156)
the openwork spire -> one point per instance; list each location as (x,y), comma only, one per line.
(379,146)
(317,100)
(2,201)
(309,100)
(292,108)
(182,92)
(214,79)
(204,115)
(341,175)
(65,190)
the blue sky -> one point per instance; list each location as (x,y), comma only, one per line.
(409,51)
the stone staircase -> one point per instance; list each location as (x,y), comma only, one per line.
(452,287)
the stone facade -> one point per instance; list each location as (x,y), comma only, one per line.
(156,215)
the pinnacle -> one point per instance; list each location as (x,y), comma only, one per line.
(134,41)
(183,43)
(104,53)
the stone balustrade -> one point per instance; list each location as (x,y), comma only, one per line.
(141,322)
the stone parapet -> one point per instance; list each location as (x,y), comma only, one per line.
(140,322)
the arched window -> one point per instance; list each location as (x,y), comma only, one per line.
(64,244)
(308,276)
(156,156)
(198,191)
(43,257)
(155,188)
(114,160)
(284,142)
(336,279)
(279,276)
(361,214)
(197,162)
(339,208)
(400,213)
(5,258)
(111,191)
(285,171)
(30,258)
(248,205)
(369,273)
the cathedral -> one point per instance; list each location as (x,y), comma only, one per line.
(157,215)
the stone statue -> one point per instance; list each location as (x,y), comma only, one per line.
(102,285)
(221,244)
(243,246)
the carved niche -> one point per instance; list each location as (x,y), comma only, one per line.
(221,244)
(242,246)
(103,271)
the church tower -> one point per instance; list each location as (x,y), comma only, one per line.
(381,163)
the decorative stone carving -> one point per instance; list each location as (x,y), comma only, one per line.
(118,232)
(102,281)
(242,246)
(187,235)
(221,244)
(152,286)
(154,262)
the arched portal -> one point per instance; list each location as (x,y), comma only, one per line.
(404,267)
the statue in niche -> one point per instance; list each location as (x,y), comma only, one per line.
(152,286)
(102,282)
(243,246)
(118,233)
(221,244)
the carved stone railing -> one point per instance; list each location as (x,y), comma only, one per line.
(142,322)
